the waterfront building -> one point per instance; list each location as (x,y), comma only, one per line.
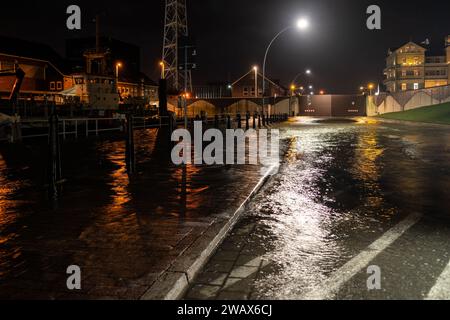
(413,67)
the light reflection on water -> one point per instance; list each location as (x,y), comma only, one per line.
(340,187)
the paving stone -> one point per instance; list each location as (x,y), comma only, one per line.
(249,261)
(228,295)
(202,292)
(244,272)
(219,266)
(239,285)
(211,278)
(226,255)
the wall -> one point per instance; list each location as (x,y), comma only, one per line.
(407,100)
(333,106)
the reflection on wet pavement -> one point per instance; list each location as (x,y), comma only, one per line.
(122,231)
(340,188)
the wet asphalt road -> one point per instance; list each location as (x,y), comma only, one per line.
(348,196)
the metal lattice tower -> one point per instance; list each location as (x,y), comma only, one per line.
(175,28)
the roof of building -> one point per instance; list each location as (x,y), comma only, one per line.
(136,79)
(430,47)
(273,82)
(32,50)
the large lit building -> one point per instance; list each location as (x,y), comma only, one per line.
(45,71)
(414,67)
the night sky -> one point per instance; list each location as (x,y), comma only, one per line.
(232,34)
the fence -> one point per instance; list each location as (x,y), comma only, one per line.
(85,126)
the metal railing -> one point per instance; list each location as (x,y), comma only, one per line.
(87,126)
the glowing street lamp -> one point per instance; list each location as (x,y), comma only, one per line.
(302,24)
(255,68)
(308,72)
(371,86)
(118,66)
(163,69)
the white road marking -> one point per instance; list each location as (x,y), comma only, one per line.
(441,290)
(331,286)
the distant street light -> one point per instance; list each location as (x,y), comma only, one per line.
(302,24)
(371,87)
(307,72)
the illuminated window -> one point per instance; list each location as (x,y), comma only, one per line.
(59,85)
(404,86)
(416,86)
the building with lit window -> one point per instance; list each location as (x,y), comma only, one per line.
(45,71)
(414,67)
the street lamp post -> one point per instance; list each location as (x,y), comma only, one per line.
(163,69)
(293,88)
(302,24)
(256,81)
(118,66)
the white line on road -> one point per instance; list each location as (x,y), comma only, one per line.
(441,290)
(331,286)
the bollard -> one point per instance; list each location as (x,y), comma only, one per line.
(264,120)
(54,173)
(259,121)
(254,120)
(247,121)
(228,122)
(239,121)
(129,150)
